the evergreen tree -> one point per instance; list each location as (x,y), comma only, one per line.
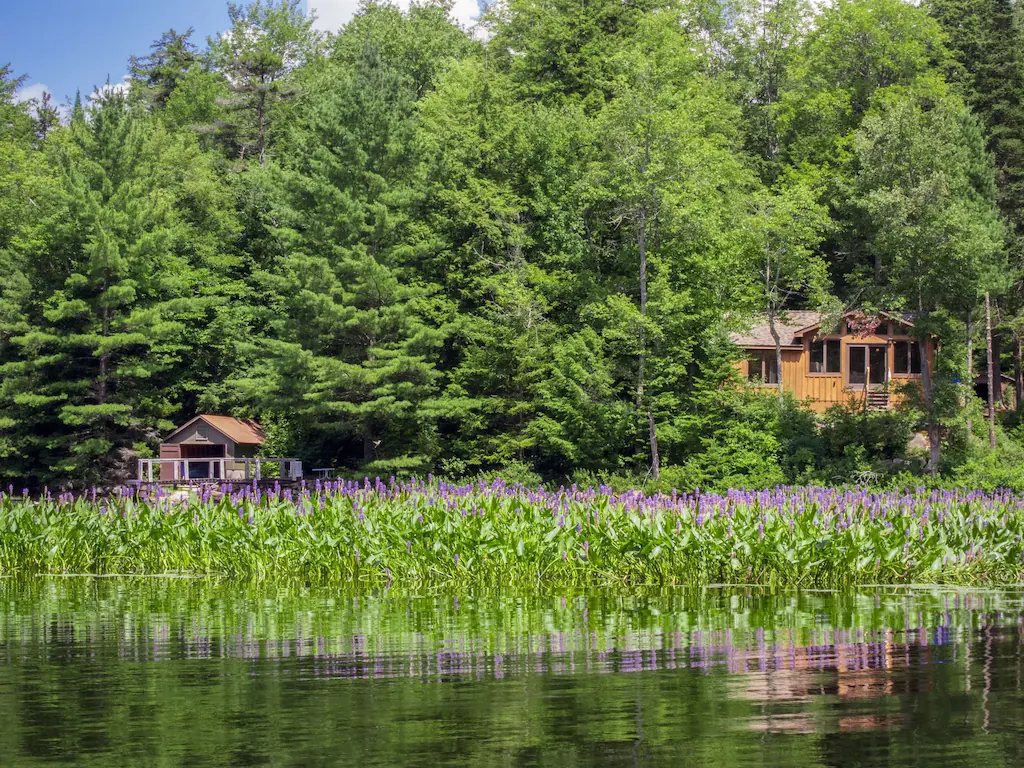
(352,350)
(170,59)
(267,42)
(100,367)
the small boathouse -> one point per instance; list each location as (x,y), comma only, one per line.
(215,448)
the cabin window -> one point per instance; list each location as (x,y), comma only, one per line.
(762,367)
(906,357)
(826,356)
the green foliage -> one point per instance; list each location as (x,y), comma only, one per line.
(407,250)
(420,534)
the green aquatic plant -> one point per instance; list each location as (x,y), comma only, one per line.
(426,533)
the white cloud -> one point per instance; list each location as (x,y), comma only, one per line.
(114,87)
(33,91)
(333,14)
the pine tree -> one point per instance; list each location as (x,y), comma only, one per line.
(351,355)
(170,59)
(98,371)
(268,41)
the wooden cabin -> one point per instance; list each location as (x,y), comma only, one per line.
(865,360)
(212,438)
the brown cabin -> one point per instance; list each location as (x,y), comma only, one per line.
(210,437)
(866,360)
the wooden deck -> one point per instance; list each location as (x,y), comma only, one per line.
(218,470)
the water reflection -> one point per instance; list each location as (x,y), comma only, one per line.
(131,671)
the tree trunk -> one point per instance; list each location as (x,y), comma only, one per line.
(778,352)
(641,242)
(261,111)
(991,375)
(997,359)
(1018,373)
(655,458)
(934,442)
(970,369)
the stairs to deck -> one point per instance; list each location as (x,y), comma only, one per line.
(878,401)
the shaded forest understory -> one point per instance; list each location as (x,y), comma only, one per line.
(405,248)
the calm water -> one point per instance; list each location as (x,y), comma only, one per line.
(174,672)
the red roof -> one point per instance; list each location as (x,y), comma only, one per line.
(243,431)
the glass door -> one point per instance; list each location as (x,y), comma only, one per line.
(878,367)
(858,367)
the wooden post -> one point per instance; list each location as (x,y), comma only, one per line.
(991,376)
(223,470)
(149,472)
(140,471)
(258,478)
(176,471)
(188,473)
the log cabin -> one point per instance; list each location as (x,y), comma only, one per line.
(868,360)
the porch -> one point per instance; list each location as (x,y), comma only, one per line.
(222,469)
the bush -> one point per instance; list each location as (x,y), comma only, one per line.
(514,472)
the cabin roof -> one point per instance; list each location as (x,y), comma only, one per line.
(789,327)
(795,324)
(241,431)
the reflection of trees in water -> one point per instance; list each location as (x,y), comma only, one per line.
(633,676)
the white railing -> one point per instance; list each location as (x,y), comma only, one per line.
(223,469)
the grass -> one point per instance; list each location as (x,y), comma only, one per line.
(432,533)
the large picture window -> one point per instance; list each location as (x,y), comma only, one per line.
(906,357)
(762,367)
(826,356)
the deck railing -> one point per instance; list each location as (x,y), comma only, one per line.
(227,469)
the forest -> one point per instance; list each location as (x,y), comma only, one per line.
(410,248)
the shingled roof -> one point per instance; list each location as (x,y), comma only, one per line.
(242,431)
(789,327)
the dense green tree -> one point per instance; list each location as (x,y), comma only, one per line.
(405,249)
(670,136)
(926,186)
(114,287)
(987,38)
(356,331)
(165,68)
(786,226)
(26,197)
(268,41)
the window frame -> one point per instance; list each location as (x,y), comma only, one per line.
(825,342)
(766,359)
(912,345)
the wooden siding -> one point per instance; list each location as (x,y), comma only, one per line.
(822,390)
(168,451)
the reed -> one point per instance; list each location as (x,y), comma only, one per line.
(432,533)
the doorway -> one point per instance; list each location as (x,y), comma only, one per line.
(869,366)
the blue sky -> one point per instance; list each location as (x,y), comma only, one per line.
(65,45)
(71,44)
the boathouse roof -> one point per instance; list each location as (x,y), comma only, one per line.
(241,431)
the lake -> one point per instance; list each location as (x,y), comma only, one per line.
(164,671)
